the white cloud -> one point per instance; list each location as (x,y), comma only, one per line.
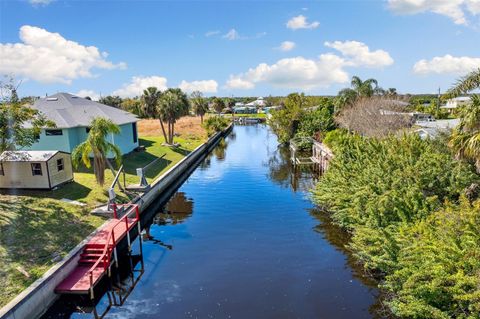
(287,46)
(473,6)
(84,93)
(237,82)
(359,54)
(205,86)
(447,65)
(306,74)
(40,2)
(457,10)
(300,22)
(48,57)
(212,33)
(298,73)
(138,84)
(231,35)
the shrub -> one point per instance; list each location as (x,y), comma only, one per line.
(438,266)
(214,124)
(390,194)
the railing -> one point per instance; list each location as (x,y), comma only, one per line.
(107,250)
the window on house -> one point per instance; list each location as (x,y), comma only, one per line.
(60,164)
(36,169)
(134,129)
(2,172)
(53,132)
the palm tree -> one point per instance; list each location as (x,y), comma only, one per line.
(465,138)
(150,99)
(358,89)
(172,105)
(199,104)
(97,145)
(465,84)
(364,88)
(218,104)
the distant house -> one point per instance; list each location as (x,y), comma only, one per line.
(72,116)
(35,169)
(245,110)
(433,128)
(454,103)
(259,102)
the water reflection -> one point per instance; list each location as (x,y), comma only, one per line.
(177,210)
(220,150)
(340,239)
(282,172)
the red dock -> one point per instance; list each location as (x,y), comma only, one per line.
(96,257)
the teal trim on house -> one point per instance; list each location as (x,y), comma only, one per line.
(71,137)
(125,140)
(52,142)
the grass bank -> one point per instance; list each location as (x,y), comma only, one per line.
(37,229)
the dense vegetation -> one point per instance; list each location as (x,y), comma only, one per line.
(300,117)
(412,209)
(384,192)
(215,124)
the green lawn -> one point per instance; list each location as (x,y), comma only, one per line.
(37,229)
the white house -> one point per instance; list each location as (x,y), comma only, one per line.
(73,115)
(35,169)
(259,102)
(434,128)
(457,102)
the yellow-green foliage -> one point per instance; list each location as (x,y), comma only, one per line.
(438,266)
(214,124)
(390,195)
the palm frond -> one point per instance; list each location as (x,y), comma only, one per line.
(465,84)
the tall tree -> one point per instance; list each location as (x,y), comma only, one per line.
(172,105)
(358,89)
(284,122)
(199,104)
(465,138)
(20,125)
(364,88)
(110,100)
(150,98)
(228,102)
(217,104)
(98,145)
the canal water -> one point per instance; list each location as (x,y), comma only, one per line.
(241,239)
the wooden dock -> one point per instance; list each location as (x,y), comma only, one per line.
(100,253)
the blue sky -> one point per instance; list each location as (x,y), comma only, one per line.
(235,47)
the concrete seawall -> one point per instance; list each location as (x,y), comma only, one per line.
(39,296)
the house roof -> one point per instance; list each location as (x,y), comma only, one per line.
(439,124)
(68,110)
(27,156)
(461,99)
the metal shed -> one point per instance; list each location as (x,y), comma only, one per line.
(35,169)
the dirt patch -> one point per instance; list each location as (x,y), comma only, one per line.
(187,126)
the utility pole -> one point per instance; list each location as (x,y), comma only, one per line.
(438,100)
